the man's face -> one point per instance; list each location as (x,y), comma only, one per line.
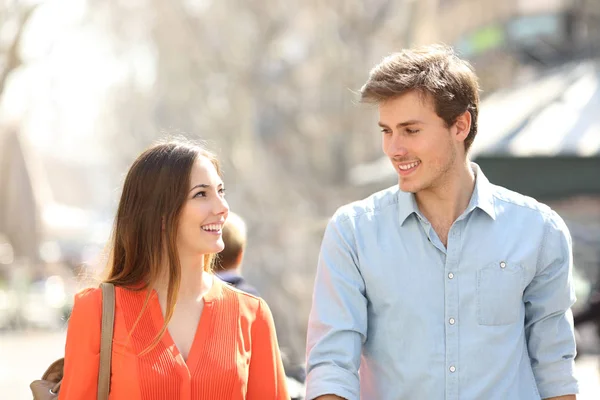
(423,151)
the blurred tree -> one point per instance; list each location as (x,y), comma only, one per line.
(13,20)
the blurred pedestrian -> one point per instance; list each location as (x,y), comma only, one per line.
(591,312)
(179,332)
(228,266)
(448,286)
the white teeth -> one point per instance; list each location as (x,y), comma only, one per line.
(212,228)
(409,166)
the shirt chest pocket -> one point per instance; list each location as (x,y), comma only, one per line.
(499,293)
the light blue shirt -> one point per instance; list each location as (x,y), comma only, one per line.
(486,317)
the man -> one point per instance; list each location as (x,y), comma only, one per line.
(444,286)
(229,263)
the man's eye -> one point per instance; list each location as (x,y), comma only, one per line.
(386,131)
(412,131)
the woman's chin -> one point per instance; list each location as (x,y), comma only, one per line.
(218,249)
(212,248)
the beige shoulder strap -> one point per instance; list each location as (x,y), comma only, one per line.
(108,322)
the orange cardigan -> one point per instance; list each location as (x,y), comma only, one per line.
(234,355)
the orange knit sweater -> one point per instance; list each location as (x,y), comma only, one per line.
(234,356)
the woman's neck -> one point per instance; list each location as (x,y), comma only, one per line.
(194,282)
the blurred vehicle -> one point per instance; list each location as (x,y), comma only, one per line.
(587,319)
(583,288)
(9,312)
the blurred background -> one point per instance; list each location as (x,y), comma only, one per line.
(86,85)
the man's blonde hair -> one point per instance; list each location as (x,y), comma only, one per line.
(234,236)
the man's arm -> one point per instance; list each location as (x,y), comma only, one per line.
(548,318)
(337,326)
(568,397)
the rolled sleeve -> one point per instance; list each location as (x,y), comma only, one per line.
(548,318)
(337,325)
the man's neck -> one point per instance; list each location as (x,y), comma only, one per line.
(445,202)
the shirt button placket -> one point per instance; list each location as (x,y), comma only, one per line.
(451,310)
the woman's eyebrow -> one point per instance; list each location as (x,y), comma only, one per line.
(202,185)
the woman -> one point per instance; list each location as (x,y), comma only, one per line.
(179,332)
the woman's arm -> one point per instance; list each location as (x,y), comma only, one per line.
(82,351)
(266,379)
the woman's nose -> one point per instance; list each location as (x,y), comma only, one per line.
(221,206)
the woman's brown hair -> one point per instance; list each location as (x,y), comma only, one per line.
(145,229)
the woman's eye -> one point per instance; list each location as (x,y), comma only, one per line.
(200,194)
(222,191)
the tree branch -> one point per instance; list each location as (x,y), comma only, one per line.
(13,59)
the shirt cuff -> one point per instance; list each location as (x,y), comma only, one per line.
(557,380)
(331,379)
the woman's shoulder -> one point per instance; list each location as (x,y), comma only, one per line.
(89,297)
(249,304)
(87,312)
(251,307)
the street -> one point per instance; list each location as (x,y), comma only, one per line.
(25,356)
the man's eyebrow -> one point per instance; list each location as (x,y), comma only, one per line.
(402,124)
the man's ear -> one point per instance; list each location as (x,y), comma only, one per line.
(239,258)
(462,126)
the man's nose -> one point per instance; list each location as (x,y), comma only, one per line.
(396,147)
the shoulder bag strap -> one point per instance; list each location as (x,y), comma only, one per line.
(108,321)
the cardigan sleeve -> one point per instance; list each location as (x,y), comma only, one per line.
(82,350)
(266,379)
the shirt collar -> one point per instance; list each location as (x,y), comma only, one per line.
(482,198)
(228,274)
(407,205)
(483,194)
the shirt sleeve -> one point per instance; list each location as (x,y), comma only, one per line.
(337,326)
(82,350)
(548,317)
(266,378)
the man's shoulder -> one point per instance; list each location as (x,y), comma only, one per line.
(372,204)
(238,282)
(514,203)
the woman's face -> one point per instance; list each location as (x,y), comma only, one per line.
(204,211)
